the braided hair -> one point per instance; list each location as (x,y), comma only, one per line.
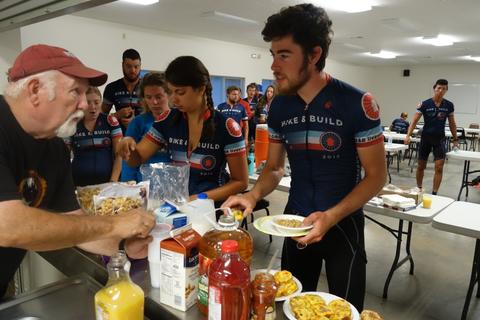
(191,72)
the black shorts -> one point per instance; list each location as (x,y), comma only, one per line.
(428,144)
(343,250)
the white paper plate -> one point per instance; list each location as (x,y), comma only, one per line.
(326,296)
(283,298)
(265,225)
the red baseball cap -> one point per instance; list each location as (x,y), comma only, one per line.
(41,57)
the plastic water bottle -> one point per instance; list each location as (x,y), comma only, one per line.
(390,140)
(201,212)
(251,163)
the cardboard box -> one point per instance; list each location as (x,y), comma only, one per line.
(179,268)
(407,192)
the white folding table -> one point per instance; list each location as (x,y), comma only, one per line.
(463,218)
(392,148)
(418,215)
(467,156)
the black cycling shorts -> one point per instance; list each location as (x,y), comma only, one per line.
(429,144)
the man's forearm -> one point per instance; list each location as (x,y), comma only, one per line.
(106,247)
(267,182)
(35,229)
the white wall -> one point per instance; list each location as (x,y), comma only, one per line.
(10,47)
(396,93)
(100,44)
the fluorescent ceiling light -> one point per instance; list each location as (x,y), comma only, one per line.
(477,58)
(439,41)
(141,2)
(383,54)
(350,6)
(225,17)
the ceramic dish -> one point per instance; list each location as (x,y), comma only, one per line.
(265,225)
(283,228)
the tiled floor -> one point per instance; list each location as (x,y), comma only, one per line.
(443,260)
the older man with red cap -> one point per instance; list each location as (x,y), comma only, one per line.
(44,100)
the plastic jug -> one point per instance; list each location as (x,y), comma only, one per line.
(229,285)
(210,248)
(201,213)
(120,299)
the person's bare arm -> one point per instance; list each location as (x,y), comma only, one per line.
(453,128)
(136,153)
(117,160)
(238,180)
(245,131)
(416,118)
(36,229)
(269,178)
(373,162)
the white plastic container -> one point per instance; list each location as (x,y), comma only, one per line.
(201,213)
(159,233)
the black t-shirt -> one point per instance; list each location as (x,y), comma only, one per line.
(36,171)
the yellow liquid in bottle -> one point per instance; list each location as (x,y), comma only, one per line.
(120,301)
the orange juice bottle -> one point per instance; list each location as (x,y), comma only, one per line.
(120,299)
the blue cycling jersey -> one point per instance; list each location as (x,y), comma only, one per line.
(435,117)
(236,112)
(137,129)
(93,152)
(116,93)
(207,161)
(400,125)
(321,139)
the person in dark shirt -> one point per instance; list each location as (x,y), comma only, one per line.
(232,109)
(400,125)
(435,112)
(330,130)
(123,93)
(94,144)
(195,133)
(43,102)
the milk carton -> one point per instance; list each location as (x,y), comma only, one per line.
(179,268)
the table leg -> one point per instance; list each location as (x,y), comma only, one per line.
(398,161)
(388,168)
(407,248)
(466,166)
(473,279)
(396,263)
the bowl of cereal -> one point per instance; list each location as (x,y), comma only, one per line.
(289,223)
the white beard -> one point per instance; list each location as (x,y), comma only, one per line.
(69,127)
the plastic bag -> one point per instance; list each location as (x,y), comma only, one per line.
(168,183)
(119,197)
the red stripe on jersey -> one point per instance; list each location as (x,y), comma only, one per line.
(236,154)
(152,139)
(370,143)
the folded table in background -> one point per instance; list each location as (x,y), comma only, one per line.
(418,215)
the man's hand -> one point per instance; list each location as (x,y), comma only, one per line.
(321,224)
(134,223)
(126,112)
(244,201)
(407,140)
(456,143)
(125,146)
(137,248)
